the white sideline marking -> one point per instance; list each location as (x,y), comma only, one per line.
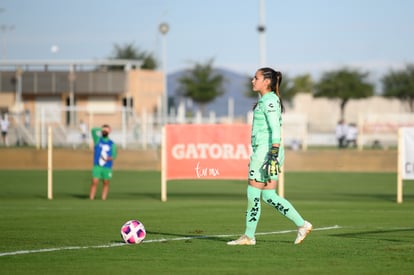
(20,252)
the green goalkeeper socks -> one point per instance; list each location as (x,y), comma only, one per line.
(283,206)
(253,210)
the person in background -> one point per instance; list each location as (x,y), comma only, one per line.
(4,125)
(267,158)
(27,118)
(340,133)
(105,153)
(84,131)
(295,144)
(352,135)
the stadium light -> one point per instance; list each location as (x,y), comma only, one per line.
(164,28)
(4,29)
(72,78)
(261,28)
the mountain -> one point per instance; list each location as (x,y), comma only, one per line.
(234,87)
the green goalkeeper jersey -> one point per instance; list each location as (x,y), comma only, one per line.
(267,121)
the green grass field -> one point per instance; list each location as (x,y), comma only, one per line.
(359,228)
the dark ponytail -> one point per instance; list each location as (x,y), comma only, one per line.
(275,81)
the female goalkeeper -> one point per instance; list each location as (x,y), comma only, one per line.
(267,158)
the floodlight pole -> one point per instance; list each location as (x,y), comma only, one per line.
(19,75)
(262,36)
(164,28)
(262,57)
(72,94)
(4,29)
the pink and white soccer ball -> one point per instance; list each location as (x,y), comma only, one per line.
(133,232)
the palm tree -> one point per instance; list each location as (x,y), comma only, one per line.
(201,84)
(130,51)
(400,84)
(344,84)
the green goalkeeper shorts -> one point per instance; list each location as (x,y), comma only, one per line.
(103,173)
(258,160)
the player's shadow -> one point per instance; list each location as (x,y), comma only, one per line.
(187,237)
(80,196)
(207,196)
(382,197)
(190,196)
(376,233)
(148,195)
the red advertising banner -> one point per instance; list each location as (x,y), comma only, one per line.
(207,151)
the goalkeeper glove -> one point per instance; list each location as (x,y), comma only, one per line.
(272,165)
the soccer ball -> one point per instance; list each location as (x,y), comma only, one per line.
(133,232)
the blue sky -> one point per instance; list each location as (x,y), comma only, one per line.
(302,36)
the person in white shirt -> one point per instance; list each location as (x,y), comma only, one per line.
(84,131)
(4,125)
(352,135)
(340,133)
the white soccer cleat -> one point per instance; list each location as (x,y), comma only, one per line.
(243,240)
(303,231)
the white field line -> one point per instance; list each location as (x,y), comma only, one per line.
(20,252)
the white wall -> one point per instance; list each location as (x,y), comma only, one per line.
(323,114)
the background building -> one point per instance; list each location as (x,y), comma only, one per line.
(34,94)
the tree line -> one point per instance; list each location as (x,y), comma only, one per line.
(202,84)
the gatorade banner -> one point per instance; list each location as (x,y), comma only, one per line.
(407,153)
(207,151)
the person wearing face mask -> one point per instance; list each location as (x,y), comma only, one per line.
(104,154)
